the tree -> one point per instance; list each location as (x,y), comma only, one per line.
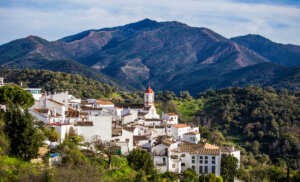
(169,176)
(51,134)
(190,175)
(25,139)
(141,159)
(109,148)
(229,167)
(210,178)
(15,96)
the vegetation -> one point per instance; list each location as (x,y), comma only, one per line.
(262,121)
(80,87)
(229,168)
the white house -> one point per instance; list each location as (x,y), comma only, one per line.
(165,156)
(203,157)
(150,122)
(170,118)
(178,130)
(103,104)
(191,137)
(95,126)
(124,139)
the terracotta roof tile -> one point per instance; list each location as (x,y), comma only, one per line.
(181,126)
(171,114)
(72,114)
(104,102)
(202,148)
(149,90)
(191,133)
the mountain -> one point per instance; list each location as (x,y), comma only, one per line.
(38,53)
(288,54)
(166,55)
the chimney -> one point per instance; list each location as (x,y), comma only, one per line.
(21,84)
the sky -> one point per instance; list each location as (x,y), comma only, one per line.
(278,20)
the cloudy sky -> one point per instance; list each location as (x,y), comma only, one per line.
(278,20)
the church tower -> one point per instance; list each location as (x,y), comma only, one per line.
(149,97)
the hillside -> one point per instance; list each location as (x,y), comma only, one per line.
(166,55)
(279,53)
(80,87)
(260,120)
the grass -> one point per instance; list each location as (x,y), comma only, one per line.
(187,108)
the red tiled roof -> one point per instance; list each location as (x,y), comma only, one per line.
(104,102)
(149,90)
(171,114)
(191,133)
(72,114)
(181,126)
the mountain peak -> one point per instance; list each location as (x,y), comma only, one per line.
(145,23)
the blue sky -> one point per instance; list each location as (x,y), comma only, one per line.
(278,20)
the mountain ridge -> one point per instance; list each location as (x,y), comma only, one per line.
(165,55)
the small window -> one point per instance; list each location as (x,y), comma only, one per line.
(193,167)
(173,165)
(213,160)
(201,159)
(213,169)
(206,169)
(193,159)
(183,155)
(183,164)
(200,169)
(206,160)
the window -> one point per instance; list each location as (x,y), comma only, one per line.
(206,160)
(213,160)
(213,169)
(183,155)
(201,159)
(200,169)
(193,159)
(182,164)
(193,167)
(206,169)
(173,165)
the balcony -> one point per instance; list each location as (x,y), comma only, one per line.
(160,163)
(159,153)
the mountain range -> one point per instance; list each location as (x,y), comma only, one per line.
(166,55)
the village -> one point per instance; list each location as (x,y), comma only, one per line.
(174,147)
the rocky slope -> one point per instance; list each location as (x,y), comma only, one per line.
(165,55)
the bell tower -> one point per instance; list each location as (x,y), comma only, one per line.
(149,97)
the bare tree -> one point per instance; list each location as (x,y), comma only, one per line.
(107,147)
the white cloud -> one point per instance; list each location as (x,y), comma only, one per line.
(62,18)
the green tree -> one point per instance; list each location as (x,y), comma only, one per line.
(141,159)
(190,175)
(229,167)
(169,176)
(15,96)
(25,139)
(51,134)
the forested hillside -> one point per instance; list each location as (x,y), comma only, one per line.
(263,122)
(49,81)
